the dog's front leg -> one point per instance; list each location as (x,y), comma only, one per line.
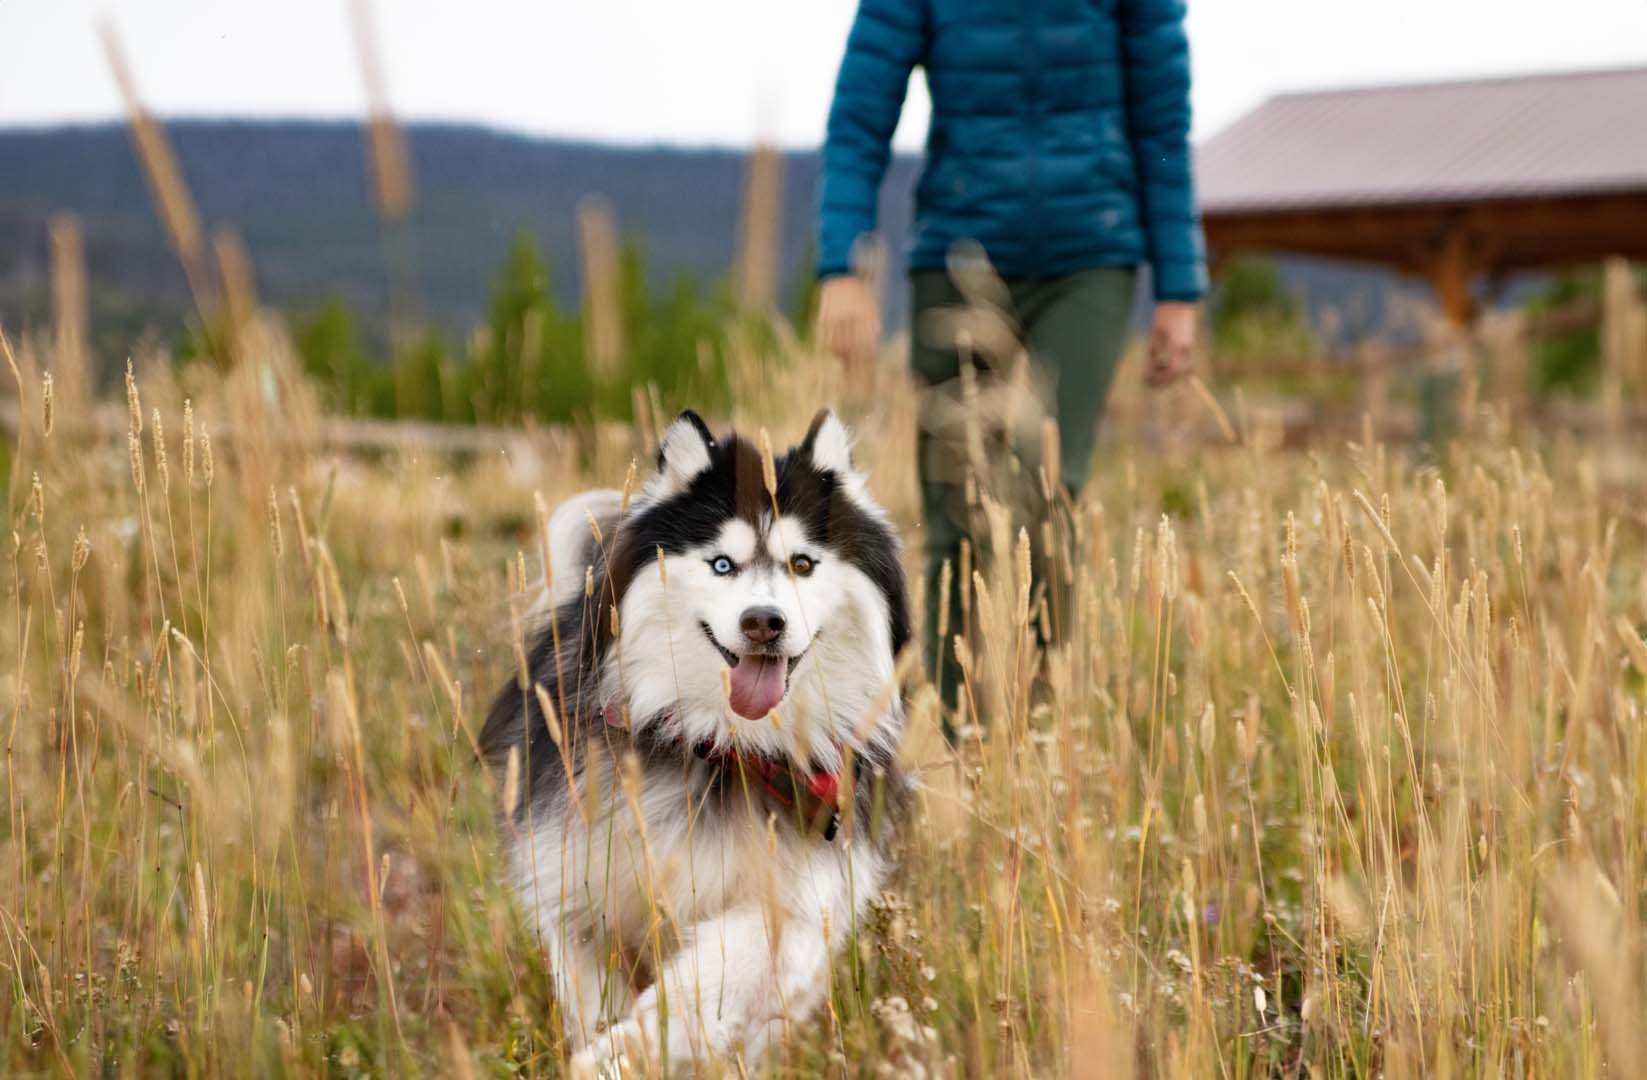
(730,990)
(741,977)
(590,986)
(586,990)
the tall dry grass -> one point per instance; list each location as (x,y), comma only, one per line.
(1341,773)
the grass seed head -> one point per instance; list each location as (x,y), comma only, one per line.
(1051,466)
(278,539)
(134,452)
(769,469)
(628,488)
(1022,560)
(188,442)
(545,556)
(202,913)
(160,465)
(134,406)
(511,783)
(82,550)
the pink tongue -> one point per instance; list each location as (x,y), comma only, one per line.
(757,685)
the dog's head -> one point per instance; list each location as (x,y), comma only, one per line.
(758,617)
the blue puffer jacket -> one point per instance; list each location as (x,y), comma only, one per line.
(1059,139)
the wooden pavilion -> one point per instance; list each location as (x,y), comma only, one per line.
(1457,183)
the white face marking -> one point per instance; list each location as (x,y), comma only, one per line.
(788,540)
(737,541)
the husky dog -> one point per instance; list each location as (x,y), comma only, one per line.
(704,737)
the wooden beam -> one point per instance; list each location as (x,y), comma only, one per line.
(1511,234)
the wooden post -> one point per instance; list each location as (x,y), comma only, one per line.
(1506,338)
(1450,274)
(1374,360)
(1450,395)
(1623,340)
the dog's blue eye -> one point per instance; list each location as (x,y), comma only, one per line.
(722,565)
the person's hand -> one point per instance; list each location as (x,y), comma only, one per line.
(849,321)
(1171,342)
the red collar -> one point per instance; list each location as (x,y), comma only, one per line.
(814,797)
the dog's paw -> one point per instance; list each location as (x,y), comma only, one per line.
(586,1067)
(622,1052)
(590,1065)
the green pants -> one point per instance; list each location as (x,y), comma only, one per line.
(1074,328)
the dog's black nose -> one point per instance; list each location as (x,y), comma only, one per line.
(761,625)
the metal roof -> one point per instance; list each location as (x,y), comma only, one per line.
(1531,136)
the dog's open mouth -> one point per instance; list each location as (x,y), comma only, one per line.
(758,681)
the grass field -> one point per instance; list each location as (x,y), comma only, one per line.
(1343,774)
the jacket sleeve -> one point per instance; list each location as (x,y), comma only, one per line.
(1157,73)
(886,42)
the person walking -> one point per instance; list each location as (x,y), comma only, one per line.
(1059,144)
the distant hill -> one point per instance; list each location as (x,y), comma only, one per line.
(298,194)
(297,191)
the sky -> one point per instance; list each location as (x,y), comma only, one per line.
(709,72)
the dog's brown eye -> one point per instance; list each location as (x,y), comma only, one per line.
(801,565)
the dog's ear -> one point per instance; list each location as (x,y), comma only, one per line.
(828,445)
(683,453)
